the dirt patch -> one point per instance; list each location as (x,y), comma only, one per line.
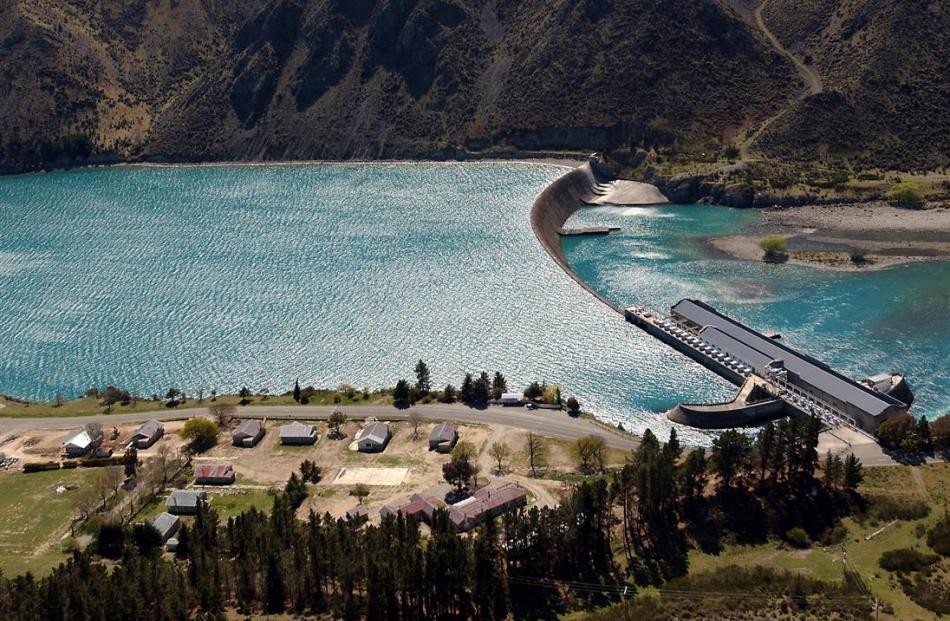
(386,477)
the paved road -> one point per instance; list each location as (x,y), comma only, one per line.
(549,423)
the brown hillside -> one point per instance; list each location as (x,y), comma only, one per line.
(297,79)
(886,79)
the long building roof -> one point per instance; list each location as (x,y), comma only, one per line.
(758,350)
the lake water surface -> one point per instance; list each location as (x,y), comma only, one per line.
(219,277)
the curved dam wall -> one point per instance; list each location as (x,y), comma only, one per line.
(560,200)
(727,418)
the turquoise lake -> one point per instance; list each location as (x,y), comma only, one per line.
(219,277)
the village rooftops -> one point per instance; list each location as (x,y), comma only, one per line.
(166,524)
(182,501)
(485,502)
(214,474)
(419,507)
(248,433)
(374,437)
(81,441)
(443,437)
(147,433)
(359,512)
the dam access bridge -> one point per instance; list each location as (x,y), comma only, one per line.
(775,380)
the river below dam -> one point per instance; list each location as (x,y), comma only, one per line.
(220,277)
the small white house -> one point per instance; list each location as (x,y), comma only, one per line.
(511,398)
(81,442)
(373,439)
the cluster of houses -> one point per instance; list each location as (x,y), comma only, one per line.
(179,502)
(466,514)
(87,440)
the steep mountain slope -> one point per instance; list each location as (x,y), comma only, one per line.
(886,82)
(296,79)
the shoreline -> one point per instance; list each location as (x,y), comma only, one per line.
(824,236)
(565,162)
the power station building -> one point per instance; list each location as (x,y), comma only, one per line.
(795,372)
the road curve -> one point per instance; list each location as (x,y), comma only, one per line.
(548,423)
(813,85)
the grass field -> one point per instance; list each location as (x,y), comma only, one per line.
(228,503)
(930,482)
(33,517)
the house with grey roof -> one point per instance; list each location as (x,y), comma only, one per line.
(147,434)
(183,502)
(81,442)
(248,433)
(443,437)
(297,433)
(359,513)
(374,438)
(166,524)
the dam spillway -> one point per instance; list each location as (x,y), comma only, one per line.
(776,380)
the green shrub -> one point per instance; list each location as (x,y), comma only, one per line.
(797,538)
(201,432)
(906,193)
(773,244)
(906,559)
(41,466)
(885,507)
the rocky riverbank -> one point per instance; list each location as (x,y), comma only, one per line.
(848,237)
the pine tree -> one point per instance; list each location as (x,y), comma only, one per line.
(481,389)
(499,386)
(765,449)
(853,474)
(274,591)
(467,391)
(423,381)
(730,451)
(923,435)
(401,393)
(297,391)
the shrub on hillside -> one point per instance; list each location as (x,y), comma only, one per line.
(940,433)
(112,395)
(886,507)
(907,194)
(797,538)
(931,592)
(939,536)
(906,559)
